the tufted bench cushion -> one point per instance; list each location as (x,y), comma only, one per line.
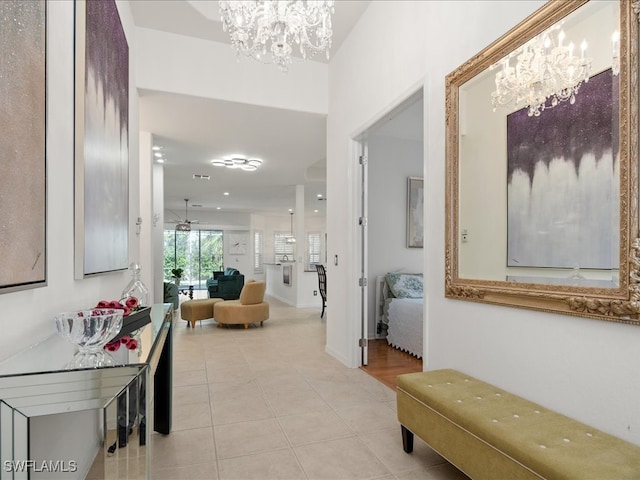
(491,434)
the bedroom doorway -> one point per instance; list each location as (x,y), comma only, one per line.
(394,151)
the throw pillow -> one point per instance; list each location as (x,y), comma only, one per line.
(405,285)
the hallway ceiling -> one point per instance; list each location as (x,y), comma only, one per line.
(292,144)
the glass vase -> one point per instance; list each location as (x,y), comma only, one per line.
(135,288)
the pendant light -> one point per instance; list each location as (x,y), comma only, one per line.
(291,238)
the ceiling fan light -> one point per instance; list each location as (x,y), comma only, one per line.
(183,227)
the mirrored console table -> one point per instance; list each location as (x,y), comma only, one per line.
(86,423)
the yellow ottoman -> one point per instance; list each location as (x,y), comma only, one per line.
(201,309)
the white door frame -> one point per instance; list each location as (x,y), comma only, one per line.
(358,303)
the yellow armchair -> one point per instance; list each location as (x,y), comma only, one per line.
(249,308)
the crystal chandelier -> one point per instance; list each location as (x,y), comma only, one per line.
(546,73)
(237,161)
(252,24)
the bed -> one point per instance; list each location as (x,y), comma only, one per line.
(399,311)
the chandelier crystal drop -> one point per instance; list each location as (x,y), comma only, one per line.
(243,163)
(261,27)
(546,73)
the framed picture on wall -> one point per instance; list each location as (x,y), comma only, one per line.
(102,139)
(415,215)
(23,184)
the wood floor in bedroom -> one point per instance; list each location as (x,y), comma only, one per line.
(386,363)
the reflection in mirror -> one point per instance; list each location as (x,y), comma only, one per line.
(539,163)
(124,435)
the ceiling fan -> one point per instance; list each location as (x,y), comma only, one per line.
(184,225)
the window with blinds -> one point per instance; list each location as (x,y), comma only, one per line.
(282,248)
(258,245)
(313,250)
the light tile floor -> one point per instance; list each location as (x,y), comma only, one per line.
(268,403)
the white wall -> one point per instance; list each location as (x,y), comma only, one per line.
(391,162)
(211,70)
(584,368)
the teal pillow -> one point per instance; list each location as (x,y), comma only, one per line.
(405,285)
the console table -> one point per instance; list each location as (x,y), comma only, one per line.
(112,406)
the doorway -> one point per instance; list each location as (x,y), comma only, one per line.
(394,149)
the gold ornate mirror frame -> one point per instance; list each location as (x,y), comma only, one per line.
(621,302)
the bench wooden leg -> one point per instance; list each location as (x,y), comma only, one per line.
(407,439)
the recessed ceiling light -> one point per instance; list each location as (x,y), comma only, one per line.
(218,208)
(156,147)
(160,160)
(157,154)
(319,195)
(226,193)
(291,209)
(315,211)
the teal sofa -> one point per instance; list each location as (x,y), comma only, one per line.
(226,284)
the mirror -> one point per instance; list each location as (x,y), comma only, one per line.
(541,147)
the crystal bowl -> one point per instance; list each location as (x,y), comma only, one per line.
(90,330)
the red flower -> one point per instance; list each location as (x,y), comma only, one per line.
(103,304)
(112,346)
(124,340)
(114,304)
(126,310)
(132,344)
(131,302)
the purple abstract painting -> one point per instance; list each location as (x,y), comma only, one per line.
(22,144)
(102,151)
(563,181)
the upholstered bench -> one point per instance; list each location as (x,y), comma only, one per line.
(201,309)
(491,434)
